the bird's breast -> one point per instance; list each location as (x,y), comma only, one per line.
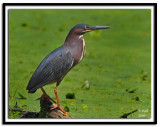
(83,50)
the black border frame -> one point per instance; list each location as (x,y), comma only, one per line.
(79,4)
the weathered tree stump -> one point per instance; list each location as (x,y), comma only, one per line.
(45,111)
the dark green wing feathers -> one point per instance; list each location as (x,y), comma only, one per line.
(52,69)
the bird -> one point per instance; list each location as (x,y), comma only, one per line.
(60,61)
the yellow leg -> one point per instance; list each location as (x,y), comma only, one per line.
(46,96)
(58,103)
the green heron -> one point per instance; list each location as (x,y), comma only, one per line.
(59,62)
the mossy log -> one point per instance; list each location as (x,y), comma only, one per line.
(45,112)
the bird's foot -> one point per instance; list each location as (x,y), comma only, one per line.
(61,109)
(46,96)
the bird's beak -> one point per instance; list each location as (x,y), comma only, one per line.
(91,28)
(100,27)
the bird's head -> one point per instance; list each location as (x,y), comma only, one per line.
(84,28)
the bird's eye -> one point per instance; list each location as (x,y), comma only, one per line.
(85,27)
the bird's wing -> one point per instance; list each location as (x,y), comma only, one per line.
(53,68)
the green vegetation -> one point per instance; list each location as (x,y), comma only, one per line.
(116,66)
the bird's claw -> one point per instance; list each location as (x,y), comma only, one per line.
(61,109)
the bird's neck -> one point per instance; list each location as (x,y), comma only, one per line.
(73,38)
(76,46)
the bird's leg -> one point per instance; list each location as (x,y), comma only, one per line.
(46,96)
(58,103)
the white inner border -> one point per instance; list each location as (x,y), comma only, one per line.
(79,120)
